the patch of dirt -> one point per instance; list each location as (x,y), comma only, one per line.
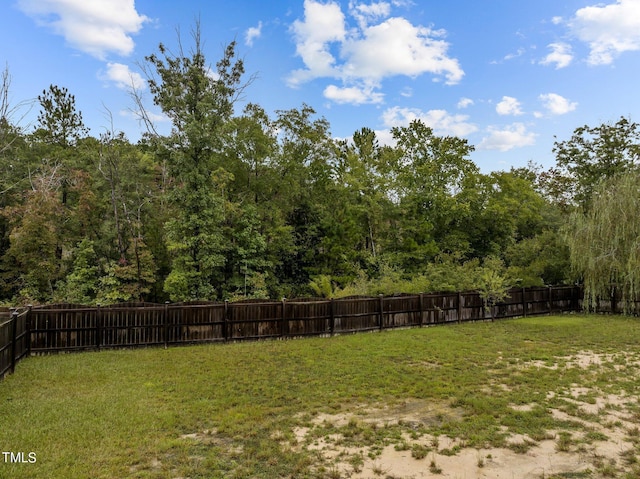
(523,407)
(541,461)
(587,359)
(210,437)
(411,412)
(607,431)
(154,465)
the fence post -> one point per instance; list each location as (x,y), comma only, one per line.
(381,305)
(14,330)
(28,324)
(225,321)
(524,302)
(550,301)
(98,327)
(284,318)
(165,324)
(459,311)
(421,309)
(332,317)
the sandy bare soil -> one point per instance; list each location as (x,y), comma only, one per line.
(609,421)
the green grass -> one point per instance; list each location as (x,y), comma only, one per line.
(213,411)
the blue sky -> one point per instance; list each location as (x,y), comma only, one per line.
(506,75)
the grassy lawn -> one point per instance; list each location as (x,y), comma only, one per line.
(232,410)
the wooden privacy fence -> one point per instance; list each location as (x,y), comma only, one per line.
(68,327)
(14,340)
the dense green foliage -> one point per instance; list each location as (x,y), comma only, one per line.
(243,204)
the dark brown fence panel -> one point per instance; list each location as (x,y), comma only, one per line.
(565,298)
(356,314)
(248,320)
(472,306)
(401,311)
(440,308)
(308,318)
(61,327)
(510,307)
(14,341)
(194,323)
(537,300)
(128,326)
(6,345)
(23,335)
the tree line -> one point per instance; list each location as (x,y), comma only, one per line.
(243,204)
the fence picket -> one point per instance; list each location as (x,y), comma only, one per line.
(14,334)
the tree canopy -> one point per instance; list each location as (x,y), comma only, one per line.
(605,241)
(594,154)
(243,204)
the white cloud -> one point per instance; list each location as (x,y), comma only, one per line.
(396,47)
(385,137)
(377,48)
(403,3)
(153,117)
(367,13)
(556,104)
(505,139)
(442,122)
(511,56)
(123,77)
(96,27)
(252,33)
(322,25)
(353,95)
(407,92)
(609,30)
(560,55)
(464,103)
(508,106)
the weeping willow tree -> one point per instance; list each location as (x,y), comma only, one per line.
(605,242)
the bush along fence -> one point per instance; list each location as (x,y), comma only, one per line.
(69,327)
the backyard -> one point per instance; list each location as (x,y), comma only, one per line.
(538,397)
